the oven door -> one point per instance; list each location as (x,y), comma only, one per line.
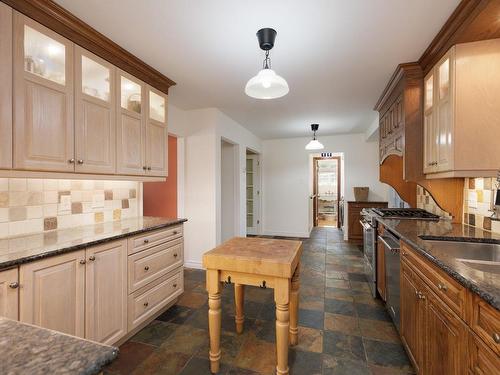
(369,255)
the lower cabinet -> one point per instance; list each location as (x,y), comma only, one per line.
(106,292)
(482,360)
(9,293)
(52,293)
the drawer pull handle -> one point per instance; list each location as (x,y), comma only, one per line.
(146,241)
(442,287)
(175,285)
(421,295)
(175,232)
(92,258)
(146,268)
(496,338)
(175,255)
(83,261)
(14,285)
(146,304)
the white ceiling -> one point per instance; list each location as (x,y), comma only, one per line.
(336,55)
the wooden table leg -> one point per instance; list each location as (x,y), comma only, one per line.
(214,318)
(239,299)
(294,307)
(281,297)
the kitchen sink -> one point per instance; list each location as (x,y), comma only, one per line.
(478,255)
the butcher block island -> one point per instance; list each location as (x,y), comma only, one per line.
(267,263)
(100,282)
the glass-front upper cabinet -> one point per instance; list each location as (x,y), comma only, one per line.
(95,79)
(429,92)
(157,104)
(131,95)
(444,79)
(44,56)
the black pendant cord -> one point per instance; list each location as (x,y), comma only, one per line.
(267,61)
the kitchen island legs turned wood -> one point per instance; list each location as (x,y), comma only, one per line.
(282,299)
(214,318)
(294,306)
(239,299)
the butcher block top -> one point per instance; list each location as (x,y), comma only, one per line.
(260,256)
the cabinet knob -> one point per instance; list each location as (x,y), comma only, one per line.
(442,287)
(14,285)
(146,240)
(421,295)
(146,268)
(71,161)
(144,167)
(146,304)
(175,232)
(175,255)
(496,338)
(80,161)
(83,261)
(92,258)
(175,285)
(149,168)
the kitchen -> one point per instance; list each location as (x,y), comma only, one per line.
(151,226)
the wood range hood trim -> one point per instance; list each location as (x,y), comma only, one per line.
(58,19)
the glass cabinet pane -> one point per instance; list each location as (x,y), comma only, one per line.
(44,56)
(429,85)
(444,79)
(130,95)
(156,107)
(95,79)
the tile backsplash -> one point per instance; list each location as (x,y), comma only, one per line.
(35,205)
(479,193)
(425,201)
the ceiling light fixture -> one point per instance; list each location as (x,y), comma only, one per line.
(314,144)
(266,84)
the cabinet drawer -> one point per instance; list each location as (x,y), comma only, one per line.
(147,265)
(486,323)
(482,360)
(149,239)
(450,291)
(147,301)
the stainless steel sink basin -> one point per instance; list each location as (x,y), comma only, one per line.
(480,256)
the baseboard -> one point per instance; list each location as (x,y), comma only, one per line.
(196,265)
(286,234)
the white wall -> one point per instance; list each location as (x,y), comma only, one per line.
(287,173)
(229,219)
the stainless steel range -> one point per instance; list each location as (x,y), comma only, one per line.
(390,242)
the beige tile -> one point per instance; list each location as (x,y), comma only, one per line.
(4,229)
(64,184)
(18,184)
(99,217)
(88,184)
(4,199)
(65,221)
(98,185)
(76,196)
(4,215)
(50,209)
(117,214)
(35,198)
(18,213)
(4,184)
(76,185)
(495,226)
(50,185)
(50,196)
(76,208)
(34,212)
(18,198)
(25,226)
(35,184)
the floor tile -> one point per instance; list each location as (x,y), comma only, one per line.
(357,276)
(200,366)
(259,295)
(300,362)
(155,333)
(130,356)
(379,330)
(162,362)
(265,330)
(311,318)
(334,283)
(386,354)
(310,340)
(382,370)
(343,346)
(339,293)
(176,314)
(360,285)
(372,312)
(342,366)
(192,300)
(257,355)
(311,302)
(186,339)
(337,306)
(342,323)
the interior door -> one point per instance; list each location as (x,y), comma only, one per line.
(326,191)
(253,193)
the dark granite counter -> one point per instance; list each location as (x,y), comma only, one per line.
(26,349)
(21,249)
(485,284)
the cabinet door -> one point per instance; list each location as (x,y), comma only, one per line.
(106,292)
(5,86)
(444,105)
(95,106)
(445,339)
(482,360)
(156,134)
(131,101)
(43,98)
(9,294)
(412,316)
(381,285)
(52,293)
(430,140)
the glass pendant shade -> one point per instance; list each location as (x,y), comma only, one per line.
(266,85)
(314,145)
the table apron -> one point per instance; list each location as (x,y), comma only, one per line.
(248,279)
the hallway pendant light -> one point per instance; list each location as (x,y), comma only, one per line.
(314,144)
(266,84)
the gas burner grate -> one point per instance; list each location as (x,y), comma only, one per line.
(405,213)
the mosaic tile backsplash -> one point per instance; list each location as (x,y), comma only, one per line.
(425,201)
(35,205)
(478,197)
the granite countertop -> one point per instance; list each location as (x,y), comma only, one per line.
(27,349)
(485,284)
(378,202)
(21,249)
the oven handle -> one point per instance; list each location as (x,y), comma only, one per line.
(365,225)
(385,240)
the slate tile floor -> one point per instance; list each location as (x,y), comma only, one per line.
(342,329)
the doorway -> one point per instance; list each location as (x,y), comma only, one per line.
(229,174)
(326,191)
(253,192)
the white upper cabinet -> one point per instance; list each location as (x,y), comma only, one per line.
(95,120)
(157,134)
(462,112)
(43,98)
(5,86)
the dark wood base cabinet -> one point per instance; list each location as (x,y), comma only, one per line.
(354,228)
(438,340)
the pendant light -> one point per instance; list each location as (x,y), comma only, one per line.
(314,144)
(266,84)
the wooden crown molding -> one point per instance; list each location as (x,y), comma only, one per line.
(57,18)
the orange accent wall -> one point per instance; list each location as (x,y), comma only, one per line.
(160,198)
